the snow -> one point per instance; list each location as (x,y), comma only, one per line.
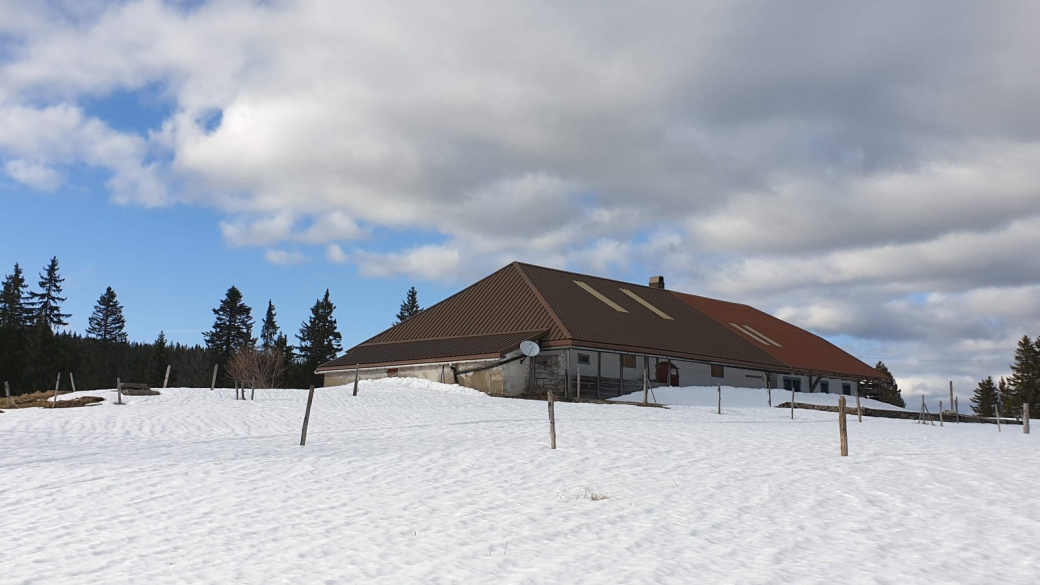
(417,482)
(742,397)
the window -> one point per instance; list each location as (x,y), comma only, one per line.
(825,387)
(628,361)
(846,389)
(583,359)
(793,384)
(391,373)
(718,372)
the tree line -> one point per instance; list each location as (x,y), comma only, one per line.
(34,347)
(1009,394)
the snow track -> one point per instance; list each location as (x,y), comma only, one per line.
(415,482)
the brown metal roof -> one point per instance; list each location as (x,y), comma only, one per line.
(796,347)
(426,350)
(563,309)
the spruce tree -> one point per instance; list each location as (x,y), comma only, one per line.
(269,333)
(15,313)
(985,397)
(159,360)
(319,337)
(1024,382)
(232,329)
(888,389)
(409,307)
(107,322)
(47,303)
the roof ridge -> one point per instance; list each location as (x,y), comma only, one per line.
(471,335)
(541,299)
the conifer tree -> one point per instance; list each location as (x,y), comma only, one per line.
(1024,383)
(47,303)
(888,389)
(232,329)
(985,397)
(269,334)
(319,337)
(409,307)
(107,322)
(159,360)
(15,314)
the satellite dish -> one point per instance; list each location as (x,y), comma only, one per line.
(529,348)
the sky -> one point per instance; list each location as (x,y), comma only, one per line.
(868,171)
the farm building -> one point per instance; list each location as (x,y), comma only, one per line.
(610,334)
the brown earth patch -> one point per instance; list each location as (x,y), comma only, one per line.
(43,400)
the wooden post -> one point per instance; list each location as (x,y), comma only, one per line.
(7,391)
(567,375)
(213,382)
(307,416)
(792,401)
(72,382)
(996,407)
(719,411)
(1025,418)
(951,395)
(843,430)
(57,383)
(357,372)
(552,420)
(957,409)
(621,374)
(599,371)
(859,409)
(119,391)
(579,381)
(252,390)
(166,380)
(922,409)
(646,381)
(940,414)
(769,391)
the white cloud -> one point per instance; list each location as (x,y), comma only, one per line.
(34,175)
(429,262)
(285,258)
(335,254)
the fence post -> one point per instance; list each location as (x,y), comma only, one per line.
(72,381)
(719,388)
(957,409)
(792,401)
(252,390)
(357,372)
(119,391)
(940,414)
(307,417)
(7,391)
(579,381)
(552,420)
(646,381)
(859,409)
(1025,418)
(57,383)
(166,380)
(996,407)
(213,382)
(842,427)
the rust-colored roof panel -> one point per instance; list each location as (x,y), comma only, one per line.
(685,331)
(798,348)
(500,303)
(400,352)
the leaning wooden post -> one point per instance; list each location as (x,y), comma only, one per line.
(940,414)
(72,382)
(843,430)
(859,409)
(357,372)
(792,401)
(552,420)
(307,416)
(56,384)
(7,391)
(579,382)
(166,380)
(996,407)
(119,391)
(646,381)
(213,382)
(1025,418)
(719,410)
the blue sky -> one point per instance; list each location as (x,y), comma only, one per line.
(862,171)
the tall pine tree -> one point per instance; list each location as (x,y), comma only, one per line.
(232,329)
(319,337)
(107,322)
(15,321)
(159,360)
(985,397)
(409,307)
(269,333)
(47,303)
(888,389)
(1024,382)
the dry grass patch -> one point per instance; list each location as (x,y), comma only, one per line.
(43,400)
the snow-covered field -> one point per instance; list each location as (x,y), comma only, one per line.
(414,482)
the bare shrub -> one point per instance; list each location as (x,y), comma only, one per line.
(259,369)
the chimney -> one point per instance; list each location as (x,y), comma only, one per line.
(657,282)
